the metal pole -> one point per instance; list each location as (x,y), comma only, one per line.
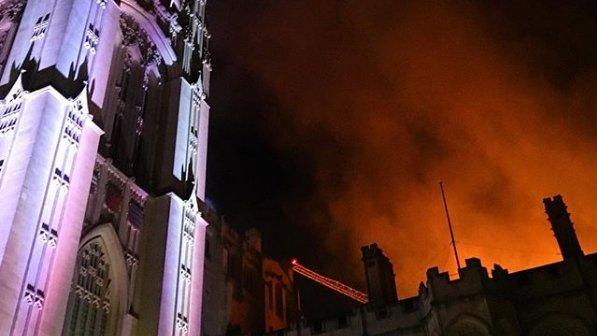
(453,242)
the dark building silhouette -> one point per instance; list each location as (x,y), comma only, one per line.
(379,273)
(558,299)
(245,291)
(562,227)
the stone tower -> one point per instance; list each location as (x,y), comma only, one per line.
(381,286)
(562,227)
(103,145)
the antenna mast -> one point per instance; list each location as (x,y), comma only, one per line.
(453,242)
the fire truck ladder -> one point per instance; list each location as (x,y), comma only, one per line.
(330,283)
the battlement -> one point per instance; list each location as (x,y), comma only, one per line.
(555,207)
(473,293)
(381,285)
(372,251)
(562,227)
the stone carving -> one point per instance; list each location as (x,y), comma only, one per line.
(91,39)
(12,9)
(131,258)
(185,273)
(34,296)
(39,30)
(132,34)
(48,236)
(182,323)
(174,28)
(101,3)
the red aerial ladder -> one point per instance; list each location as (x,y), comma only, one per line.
(330,283)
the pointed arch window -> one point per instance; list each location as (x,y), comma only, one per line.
(89,306)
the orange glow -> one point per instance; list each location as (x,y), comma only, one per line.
(422,95)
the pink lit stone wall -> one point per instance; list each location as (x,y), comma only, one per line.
(44,211)
(171,279)
(49,156)
(55,34)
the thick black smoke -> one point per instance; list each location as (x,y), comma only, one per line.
(334,121)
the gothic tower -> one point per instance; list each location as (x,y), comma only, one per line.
(379,271)
(103,145)
(562,227)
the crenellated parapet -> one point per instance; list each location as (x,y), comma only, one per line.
(472,280)
(558,296)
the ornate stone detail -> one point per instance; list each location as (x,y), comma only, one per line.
(193,143)
(61,177)
(174,28)
(130,30)
(133,34)
(48,236)
(91,39)
(190,219)
(101,3)
(106,306)
(34,296)
(188,229)
(12,9)
(139,125)
(152,55)
(198,95)
(190,214)
(182,323)
(88,296)
(39,30)
(76,119)
(9,116)
(11,109)
(131,258)
(8,124)
(72,134)
(185,273)
(91,290)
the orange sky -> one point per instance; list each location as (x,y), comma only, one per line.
(418,93)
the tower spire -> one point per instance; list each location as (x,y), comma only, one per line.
(562,227)
(379,272)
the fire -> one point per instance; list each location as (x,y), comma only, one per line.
(387,100)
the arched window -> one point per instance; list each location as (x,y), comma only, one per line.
(98,298)
(89,301)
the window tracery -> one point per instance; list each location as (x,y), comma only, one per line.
(89,303)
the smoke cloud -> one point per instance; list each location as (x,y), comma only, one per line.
(384,99)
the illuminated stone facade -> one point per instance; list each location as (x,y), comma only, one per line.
(103,144)
(558,299)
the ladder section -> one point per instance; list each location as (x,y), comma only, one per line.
(330,283)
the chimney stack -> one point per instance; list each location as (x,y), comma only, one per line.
(379,271)
(562,227)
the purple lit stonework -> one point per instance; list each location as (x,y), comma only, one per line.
(103,146)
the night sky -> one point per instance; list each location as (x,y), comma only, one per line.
(332,123)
